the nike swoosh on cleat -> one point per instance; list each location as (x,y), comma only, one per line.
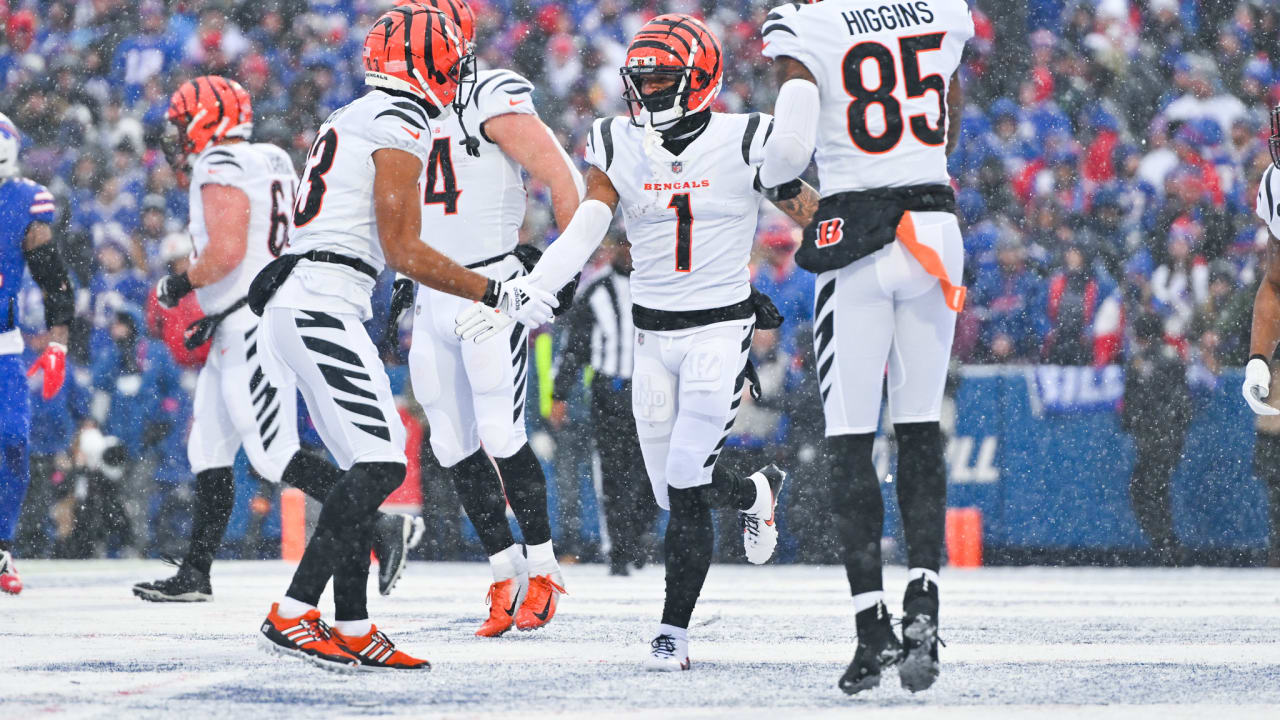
(512,611)
(545,611)
(414,135)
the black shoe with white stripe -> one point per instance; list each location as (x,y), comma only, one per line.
(188,585)
(920,666)
(393,537)
(878,648)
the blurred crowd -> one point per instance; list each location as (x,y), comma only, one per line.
(1108,167)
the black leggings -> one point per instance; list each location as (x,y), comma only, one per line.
(690,538)
(340,546)
(858,505)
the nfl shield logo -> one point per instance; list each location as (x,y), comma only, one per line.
(677,166)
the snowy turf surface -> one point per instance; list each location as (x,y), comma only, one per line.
(1034,643)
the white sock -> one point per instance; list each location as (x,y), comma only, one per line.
(678,633)
(865,600)
(354,628)
(764,497)
(930,576)
(290,608)
(502,565)
(542,559)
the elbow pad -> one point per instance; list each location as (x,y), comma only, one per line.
(51,275)
(795,132)
(566,256)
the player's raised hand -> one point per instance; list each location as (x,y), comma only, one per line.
(53,361)
(1257,386)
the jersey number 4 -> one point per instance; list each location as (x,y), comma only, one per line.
(440,174)
(319,161)
(882,94)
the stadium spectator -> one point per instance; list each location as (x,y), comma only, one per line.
(1010,299)
(1157,411)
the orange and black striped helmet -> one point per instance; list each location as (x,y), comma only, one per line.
(680,47)
(456,10)
(417,50)
(206,109)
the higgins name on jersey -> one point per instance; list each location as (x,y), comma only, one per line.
(890,65)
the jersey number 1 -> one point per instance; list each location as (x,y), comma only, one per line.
(684,231)
(882,94)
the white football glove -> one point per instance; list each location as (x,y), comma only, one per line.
(525,302)
(517,301)
(1257,386)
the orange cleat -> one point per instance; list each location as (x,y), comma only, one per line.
(503,598)
(375,651)
(10,583)
(306,637)
(539,604)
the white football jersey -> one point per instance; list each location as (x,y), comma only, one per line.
(334,206)
(265,174)
(882,70)
(473,207)
(1268,206)
(690,218)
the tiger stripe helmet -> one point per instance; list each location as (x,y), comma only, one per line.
(679,46)
(456,10)
(205,109)
(416,50)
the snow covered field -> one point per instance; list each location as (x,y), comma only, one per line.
(1024,642)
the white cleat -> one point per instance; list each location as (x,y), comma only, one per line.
(667,654)
(759,529)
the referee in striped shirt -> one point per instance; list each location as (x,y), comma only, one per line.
(601,335)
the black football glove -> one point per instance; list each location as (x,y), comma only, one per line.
(172,288)
(785,191)
(768,317)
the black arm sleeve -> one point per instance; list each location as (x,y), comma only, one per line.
(577,350)
(51,275)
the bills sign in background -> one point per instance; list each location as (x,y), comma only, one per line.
(1041,453)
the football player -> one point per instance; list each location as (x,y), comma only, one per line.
(474,393)
(26,243)
(240,196)
(1266,305)
(872,86)
(684,177)
(358,210)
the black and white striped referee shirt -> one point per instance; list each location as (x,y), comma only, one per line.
(600,333)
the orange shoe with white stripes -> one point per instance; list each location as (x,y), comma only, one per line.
(539,604)
(375,651)
(504,597)
(306,637)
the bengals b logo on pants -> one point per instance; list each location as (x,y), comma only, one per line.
(830,232)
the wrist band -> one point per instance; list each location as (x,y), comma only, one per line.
(490,296)
(1259,356)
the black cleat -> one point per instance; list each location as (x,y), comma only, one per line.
(393,537)
(919,668)
(188,585)
(878,648)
